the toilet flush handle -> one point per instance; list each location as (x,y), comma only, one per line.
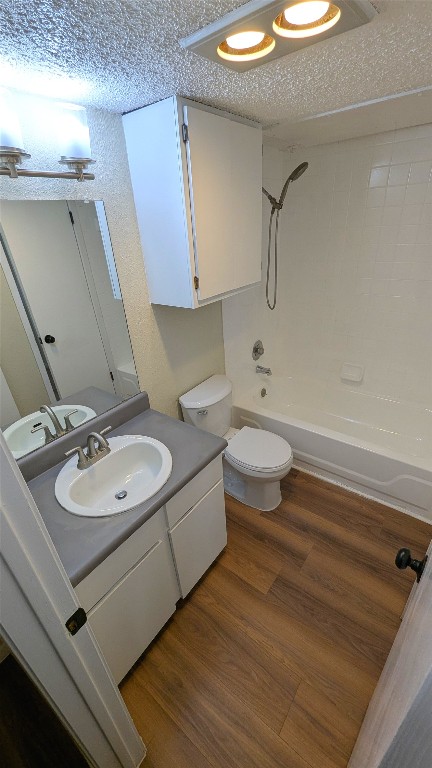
(204,412)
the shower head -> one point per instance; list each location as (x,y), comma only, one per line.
(297,172)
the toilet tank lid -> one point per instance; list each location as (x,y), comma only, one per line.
(209,392)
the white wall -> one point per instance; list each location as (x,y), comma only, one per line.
(355,267)
(111,308)
(173,349)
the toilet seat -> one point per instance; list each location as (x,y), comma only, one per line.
(258,450)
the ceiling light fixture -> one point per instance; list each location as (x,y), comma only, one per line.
(70,125)
(298,23)
(246,46)
(307,19)
(245,39)
(307,12)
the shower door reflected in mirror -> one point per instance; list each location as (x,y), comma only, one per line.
(63,326)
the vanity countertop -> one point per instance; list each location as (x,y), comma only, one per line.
(83,543)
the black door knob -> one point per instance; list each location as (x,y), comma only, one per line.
(404,560)
(49,339)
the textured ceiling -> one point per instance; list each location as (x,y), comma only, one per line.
(122,54)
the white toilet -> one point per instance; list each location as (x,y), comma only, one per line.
(255,460)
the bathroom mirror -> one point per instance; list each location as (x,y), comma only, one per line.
(64,338)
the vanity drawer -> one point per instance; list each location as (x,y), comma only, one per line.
(199,538)
(91,589)
(194,491)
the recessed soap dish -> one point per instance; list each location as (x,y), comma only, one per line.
(352,372)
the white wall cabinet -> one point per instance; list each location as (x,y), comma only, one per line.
(197,177)
(133,592)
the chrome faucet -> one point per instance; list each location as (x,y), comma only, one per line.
(59,431)
(261,369)
(97,448)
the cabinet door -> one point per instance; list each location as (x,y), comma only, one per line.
(127,619)
(225,179)
(199,537)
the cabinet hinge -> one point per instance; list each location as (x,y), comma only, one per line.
(196,282)
(71,218)
(111,375)
(185,133)
(76,621)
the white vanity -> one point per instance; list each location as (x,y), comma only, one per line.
(131,595)
(129,570)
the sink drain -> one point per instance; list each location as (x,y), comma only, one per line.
(121,495)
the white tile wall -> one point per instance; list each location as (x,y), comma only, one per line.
(355,267)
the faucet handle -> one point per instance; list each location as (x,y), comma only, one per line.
(82,458)
(105,430)
(68,423)
(49,437)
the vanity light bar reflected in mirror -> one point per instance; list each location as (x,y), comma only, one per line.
(72,134)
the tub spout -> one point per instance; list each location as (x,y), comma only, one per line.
(261,369)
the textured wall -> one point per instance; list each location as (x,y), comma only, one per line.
(355,273)
(174,349)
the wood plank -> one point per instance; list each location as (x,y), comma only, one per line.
(372,554)
(222,727)
(321,732)
(281,541)
(400,532)
(375,596)
(257,679)
(252,561)
(160,733)
(305,653)
(357,636)
(336,504)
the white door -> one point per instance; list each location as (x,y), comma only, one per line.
(42,243)
(406,681)
(225,178)
(37,601)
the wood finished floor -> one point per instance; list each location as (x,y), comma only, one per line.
(273,658)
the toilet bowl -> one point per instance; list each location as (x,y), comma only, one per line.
(255,460)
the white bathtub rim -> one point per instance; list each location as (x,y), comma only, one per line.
(250,404)
(383,476)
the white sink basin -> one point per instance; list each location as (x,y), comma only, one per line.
(20,439)
(137,467)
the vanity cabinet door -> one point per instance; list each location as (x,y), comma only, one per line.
(199,537)
(127,619)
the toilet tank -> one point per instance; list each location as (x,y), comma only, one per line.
(208,406)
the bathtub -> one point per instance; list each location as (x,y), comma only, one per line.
(378,446)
